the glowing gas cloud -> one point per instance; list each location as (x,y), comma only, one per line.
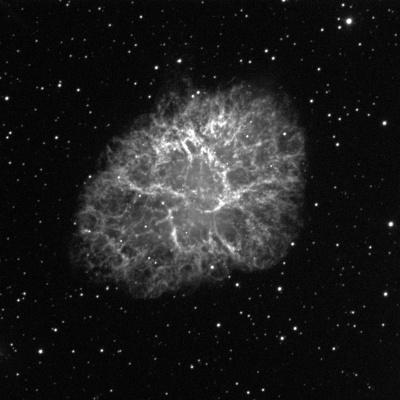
(207,183)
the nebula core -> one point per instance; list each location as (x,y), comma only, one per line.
(207,183)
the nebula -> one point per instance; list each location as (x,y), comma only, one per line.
(207,183)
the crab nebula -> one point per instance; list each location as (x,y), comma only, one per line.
(207,183)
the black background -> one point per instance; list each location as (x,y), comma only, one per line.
(322,324)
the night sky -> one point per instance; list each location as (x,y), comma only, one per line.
(324,323)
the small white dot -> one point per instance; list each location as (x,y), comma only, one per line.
(279,288)
(6,98)
(349,21)
(384,123)
(40,351)
(218,324)
(179,60)
(385,294)
(390,224)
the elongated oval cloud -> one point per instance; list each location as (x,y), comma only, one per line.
(210,183)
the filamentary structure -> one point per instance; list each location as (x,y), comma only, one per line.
(210,183)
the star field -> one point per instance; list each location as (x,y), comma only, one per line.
(323,323)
